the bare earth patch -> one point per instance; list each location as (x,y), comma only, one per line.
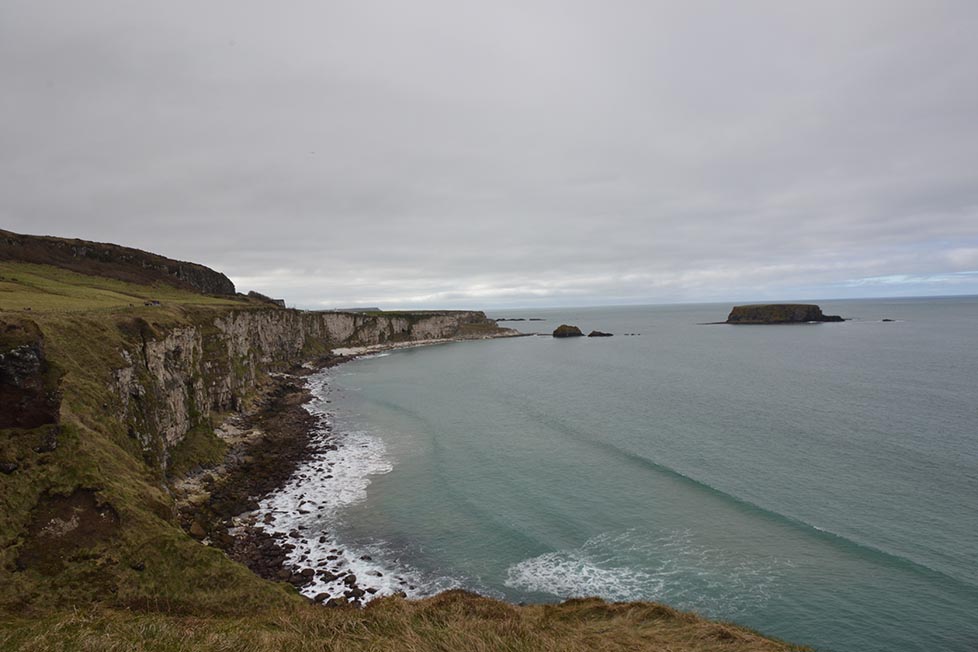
(62,526)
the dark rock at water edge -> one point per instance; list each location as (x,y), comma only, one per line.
(267,464)
(779,313)
(565,330)
(599,334)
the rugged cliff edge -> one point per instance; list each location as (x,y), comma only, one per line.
(112,261)
(177,379)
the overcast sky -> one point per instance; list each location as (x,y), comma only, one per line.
(510,153)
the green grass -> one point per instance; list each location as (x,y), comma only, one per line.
(199,448)
(43,288)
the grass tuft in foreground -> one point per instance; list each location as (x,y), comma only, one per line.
(451,621)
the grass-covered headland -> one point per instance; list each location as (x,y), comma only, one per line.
(116,367)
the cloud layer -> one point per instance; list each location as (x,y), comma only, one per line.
(451,153)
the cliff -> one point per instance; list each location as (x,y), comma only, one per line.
(109,395)
(174,380)
(112,261)
(779,313)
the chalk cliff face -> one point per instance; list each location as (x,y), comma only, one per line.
(177,380)
(174,380)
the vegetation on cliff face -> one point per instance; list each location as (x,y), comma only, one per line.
(83,488)
(125,396)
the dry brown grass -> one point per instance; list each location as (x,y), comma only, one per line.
(448,622)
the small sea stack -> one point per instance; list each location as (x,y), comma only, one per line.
(779,313)
(599,334)
(568,331)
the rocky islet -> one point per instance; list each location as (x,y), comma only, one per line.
(779,313)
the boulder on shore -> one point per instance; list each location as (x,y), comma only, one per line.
(779,313)
(599,334)
(568,331)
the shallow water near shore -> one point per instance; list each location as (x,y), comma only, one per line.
(816,482)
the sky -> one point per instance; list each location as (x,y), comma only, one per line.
(505,153)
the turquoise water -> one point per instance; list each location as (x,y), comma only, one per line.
(818,483)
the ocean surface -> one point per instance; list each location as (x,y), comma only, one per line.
(817,482)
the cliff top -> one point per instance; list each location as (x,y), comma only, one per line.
(34,288)
(112,261)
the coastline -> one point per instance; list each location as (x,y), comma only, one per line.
(273,451)
(149,421)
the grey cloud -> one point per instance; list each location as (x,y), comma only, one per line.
(450,153)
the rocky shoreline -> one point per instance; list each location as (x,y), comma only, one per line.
(217,505)
(268,445)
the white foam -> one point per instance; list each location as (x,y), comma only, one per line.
(673,568)
(309,504)
(329,480)
(572,573)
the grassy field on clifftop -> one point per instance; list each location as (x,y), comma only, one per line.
(42,288)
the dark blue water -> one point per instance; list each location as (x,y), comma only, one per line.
(816,482)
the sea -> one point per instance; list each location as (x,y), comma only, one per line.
(815,482)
